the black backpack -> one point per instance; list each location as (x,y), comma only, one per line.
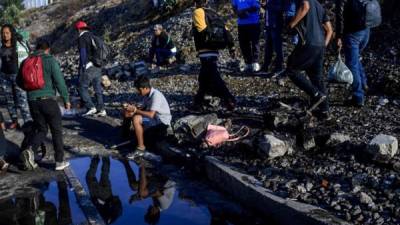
(101,51)
(216,37)
(367,12)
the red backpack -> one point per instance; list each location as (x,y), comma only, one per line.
(32,73)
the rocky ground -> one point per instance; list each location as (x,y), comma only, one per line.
(344,179)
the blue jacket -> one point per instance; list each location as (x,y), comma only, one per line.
(276,10)
(248,11)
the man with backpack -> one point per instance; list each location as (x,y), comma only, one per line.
(210,36)
(315,31)
(48,79)
(248,12)
(91,49)
(354,18)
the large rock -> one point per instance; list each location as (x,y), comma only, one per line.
(337,139)
(383,146)
(272,147)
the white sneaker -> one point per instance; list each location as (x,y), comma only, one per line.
(61,165)
(256,67)
(102,113)
(91,112)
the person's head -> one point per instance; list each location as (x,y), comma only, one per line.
(200,3)
(8,34)
(43,45)
(153,215)
(158,29)
(143,86)
(81,26)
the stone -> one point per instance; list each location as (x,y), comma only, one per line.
(366,199)
(383,146)
(336,139)
(272,147)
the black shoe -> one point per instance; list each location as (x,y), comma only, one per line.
(353,102)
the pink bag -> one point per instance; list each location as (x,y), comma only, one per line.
(217,135)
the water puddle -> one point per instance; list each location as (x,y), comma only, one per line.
(45,203)
(123,192)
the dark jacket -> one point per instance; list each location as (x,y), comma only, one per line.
(164,41)
(346,22)
(53,77)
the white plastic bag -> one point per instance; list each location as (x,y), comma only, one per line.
(339,72)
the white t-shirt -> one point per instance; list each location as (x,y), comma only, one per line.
(157,102)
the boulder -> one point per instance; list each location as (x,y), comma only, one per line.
(383,146)
(336,139)
(272,147)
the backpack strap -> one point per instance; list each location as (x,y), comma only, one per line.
(236,137)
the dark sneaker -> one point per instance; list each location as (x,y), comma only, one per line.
(136,154)
(61,165)
(355,103)
(28,160)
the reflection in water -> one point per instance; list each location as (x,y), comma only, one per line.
(34,209)
(108,205)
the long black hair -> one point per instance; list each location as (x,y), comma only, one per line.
(14,35)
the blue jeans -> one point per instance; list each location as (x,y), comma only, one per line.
(273,43)
(354,44)
(91,76)
(162,55)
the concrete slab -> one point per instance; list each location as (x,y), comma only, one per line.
(250,193)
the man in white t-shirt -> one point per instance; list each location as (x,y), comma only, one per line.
(154,117)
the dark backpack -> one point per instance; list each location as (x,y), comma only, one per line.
(101,51)
(367,12)
(216,37)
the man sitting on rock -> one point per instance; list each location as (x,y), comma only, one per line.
(162,47)
(154,117)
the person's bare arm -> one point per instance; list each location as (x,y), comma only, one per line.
(328,32)
(135,110)
(300,14)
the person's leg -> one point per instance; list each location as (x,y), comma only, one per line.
(315,73)
(138,125)
(255,31)
(98,89)
(219,87)
(268,48)
(202,80)
(64,212)
(363,45)
(9,94)
(53,118)
(352,60)
(40,124)
(244,44)
(162,55)
(22,103)
(84,83)
(277,42)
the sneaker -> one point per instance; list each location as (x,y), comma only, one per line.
(255,67)
(353,102)
(136,154)
(102,113)
(246,68)
(62,165)
(28,160)
(91,112)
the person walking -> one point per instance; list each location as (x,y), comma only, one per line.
(248,12)
(43,105)
(210,81)
(89,72)
(353,35)
(13,52)
(315,32)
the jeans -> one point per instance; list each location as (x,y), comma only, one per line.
(46,113)
(273,43)
(249,38)
(210,81)
(354,44)
(15,96)
(91,76)
(162,55)
(309,59)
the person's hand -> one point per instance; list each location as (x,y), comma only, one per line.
(339,43)
(131,108)
(2,126)
(68,105)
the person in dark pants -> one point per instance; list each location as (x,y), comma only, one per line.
(162,47)
(3,164)
(353,38)
(210,81)
(44,107)
(314,27)
(89,73)
(248,12)
(16,97)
